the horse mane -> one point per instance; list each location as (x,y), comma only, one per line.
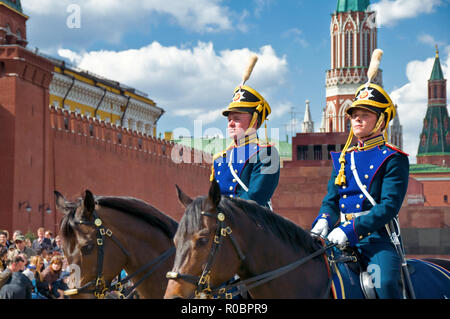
(129,205)
(280,226)
(141,210)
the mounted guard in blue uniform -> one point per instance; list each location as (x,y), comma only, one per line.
(367,188)
(248,168)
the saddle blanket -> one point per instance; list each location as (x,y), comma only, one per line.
(429,280)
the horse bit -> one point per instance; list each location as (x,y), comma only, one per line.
(100,285)
(202,282)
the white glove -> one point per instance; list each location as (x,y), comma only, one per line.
(337,236)
(321,228)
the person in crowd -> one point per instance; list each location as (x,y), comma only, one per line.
(22,248)
(58,245)
(14,262)
(3,256)
(4,242)
(41,241)
(18,286)
(52,276)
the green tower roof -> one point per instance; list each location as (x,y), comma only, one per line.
(437,74)
(15,4)
(352,5)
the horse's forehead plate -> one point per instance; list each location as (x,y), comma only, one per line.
(98,222)
(221,217)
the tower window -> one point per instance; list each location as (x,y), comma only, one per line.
(435,139)
(349,42)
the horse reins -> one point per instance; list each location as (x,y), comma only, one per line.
(222,230)
(100,285)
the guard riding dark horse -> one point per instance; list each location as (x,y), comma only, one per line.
(103,235)
(220,236)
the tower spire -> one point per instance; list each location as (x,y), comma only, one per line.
(434,145)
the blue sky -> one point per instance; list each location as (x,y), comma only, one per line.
(188,55)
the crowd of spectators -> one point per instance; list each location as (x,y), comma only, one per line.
(32,269)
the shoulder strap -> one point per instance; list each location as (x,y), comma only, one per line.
(358,181)
(230,166)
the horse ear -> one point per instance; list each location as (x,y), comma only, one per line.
(89,201)
(214,195)
(60,202)
(184,199)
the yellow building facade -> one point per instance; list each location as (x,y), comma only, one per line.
(91,95)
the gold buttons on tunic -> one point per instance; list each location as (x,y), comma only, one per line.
(371,167)
(366,176)
(361,196)
(344,196)
(343,206)
(231,188)
(358,206)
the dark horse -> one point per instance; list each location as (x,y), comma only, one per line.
(104,235)
(219,237)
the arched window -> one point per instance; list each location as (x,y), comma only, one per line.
(435,123)
(447,138)
(425,123)
(349,48)
(435,139)
(423,139)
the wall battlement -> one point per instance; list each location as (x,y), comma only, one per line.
(112,138)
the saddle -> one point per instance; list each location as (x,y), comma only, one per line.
(350,272)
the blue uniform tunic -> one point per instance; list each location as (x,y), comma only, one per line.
(383,171)
(258,167)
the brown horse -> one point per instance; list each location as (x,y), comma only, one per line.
(219,237)
(261,241)
(104,235)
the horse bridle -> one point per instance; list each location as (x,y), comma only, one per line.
(100,285)
(203,282)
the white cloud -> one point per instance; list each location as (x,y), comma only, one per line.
(412,99)
(296,35)
(391,11)
(429,39)
(196,15)
(194,82)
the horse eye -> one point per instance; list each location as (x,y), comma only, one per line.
(202,241)
(86,250)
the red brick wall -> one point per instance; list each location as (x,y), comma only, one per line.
(147,170)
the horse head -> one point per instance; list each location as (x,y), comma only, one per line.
(199,246)
(82,248)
